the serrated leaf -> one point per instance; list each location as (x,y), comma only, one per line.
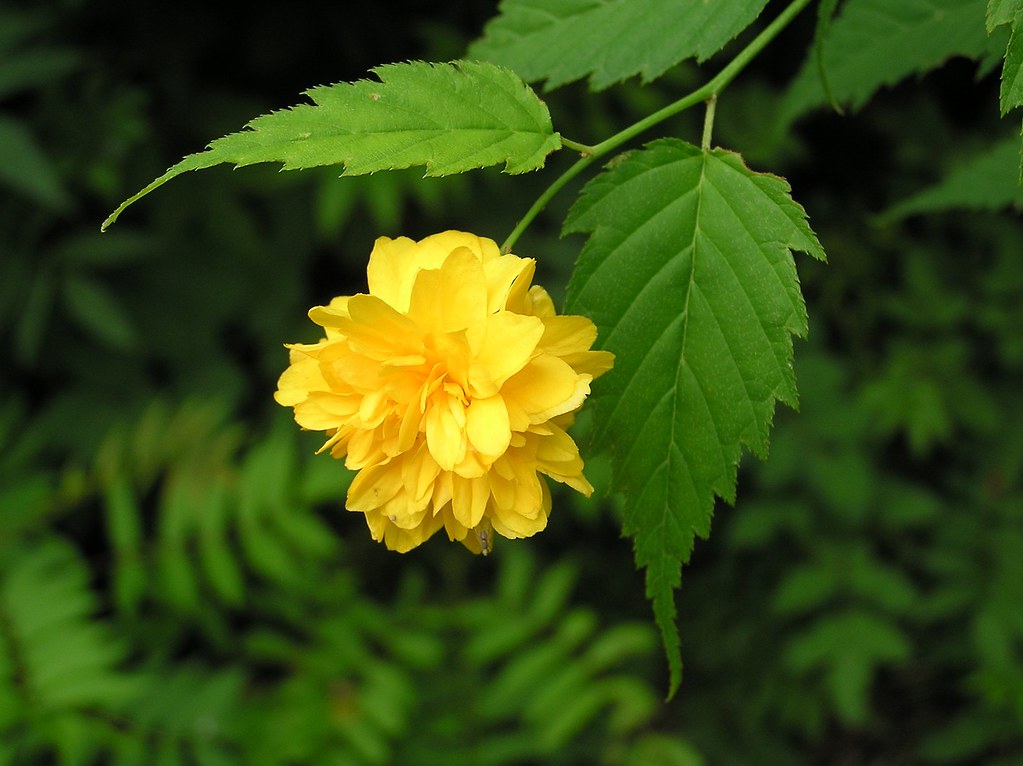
(688,274)
(561,41)
(877,43)
(447,117)
(1011,93)
(987,181)
(1000,12)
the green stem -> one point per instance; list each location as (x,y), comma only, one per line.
(576,146)
(711,89)
(708,123)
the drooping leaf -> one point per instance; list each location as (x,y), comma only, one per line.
(877,43)
(447,117)
(987,181)
(561,41)
(1011,93)
(1000,12)
(689,276)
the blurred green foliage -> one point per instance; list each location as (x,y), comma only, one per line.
(179,583)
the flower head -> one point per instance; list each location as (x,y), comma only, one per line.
(448,388)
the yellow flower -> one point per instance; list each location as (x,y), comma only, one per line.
(448,388)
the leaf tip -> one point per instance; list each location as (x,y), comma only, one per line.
(110,219)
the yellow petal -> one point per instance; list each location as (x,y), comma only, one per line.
(329,315)
(540,303)
(437,246)
(517,298)
(592,363)
(545,388)
(373,408)
(455,529)
(512,524)
(473,464)
(487,425)
(480,539)
(403,511)
(452,297)
(443,491)
(445,431)
(453,349)
(395,263)
(298,380)
(364,449)
(392,267)
(419,473)
(372,487)
(501,346)
(503,492)
(404,540)
(507,277)
(324,409)
(567,335)
(378,331)
(469,500)
(558,457)
(408,431)
(297,351)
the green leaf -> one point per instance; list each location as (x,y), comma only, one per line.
(850,646)
(877,43)
(99,313)
(561,41)
(986,181)
(34,68)
(66,658)
(804,588)
(663,750)
(1011,93)
(26,62)
(825,15)
(448,117)
(1000,12)
(689,276)
(219,562)
(25,167)
(124,528)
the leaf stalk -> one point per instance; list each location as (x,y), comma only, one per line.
(575,146)
(708,123)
